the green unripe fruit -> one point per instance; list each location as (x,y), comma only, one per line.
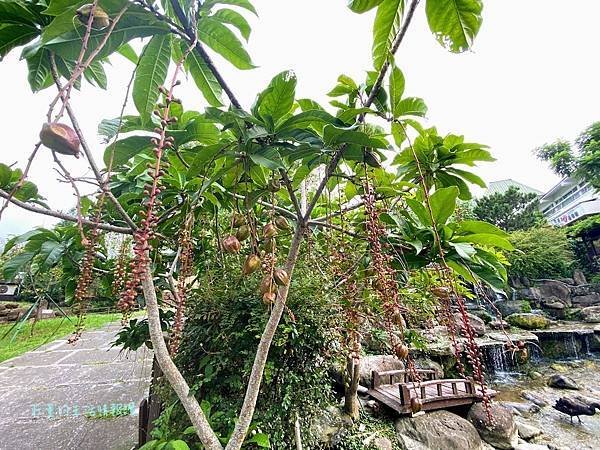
(101,19)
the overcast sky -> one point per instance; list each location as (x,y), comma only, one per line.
(531,77)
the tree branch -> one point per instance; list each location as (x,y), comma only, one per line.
(202,53)
(62,216)
(293,198)
(88,153)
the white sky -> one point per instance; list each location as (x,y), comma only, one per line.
(531,77)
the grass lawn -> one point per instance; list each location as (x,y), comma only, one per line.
(45,331)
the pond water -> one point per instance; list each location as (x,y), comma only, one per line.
(557,429)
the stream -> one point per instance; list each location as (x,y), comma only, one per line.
(558,431)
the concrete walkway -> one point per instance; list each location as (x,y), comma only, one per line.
(81,396)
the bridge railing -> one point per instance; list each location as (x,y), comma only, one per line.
(400,376)
(460,387)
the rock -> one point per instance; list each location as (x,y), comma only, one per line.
(568,281)
(592,299)
(380,363)
(527,431)
(378,442)
(531,293)
(553,303)
(498,325)
(562,382)
(328,426)
(476,323)
(521,409)
(528,446)
(483,315)
(508,307)
(427,363)
(554,288)
(11,305)
(502,433)
(437,430)
(528,321)
(579,277)
(535,375)
(534,399)
(591,314)
(559,367)
(588,401)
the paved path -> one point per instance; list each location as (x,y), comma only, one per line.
(61,396)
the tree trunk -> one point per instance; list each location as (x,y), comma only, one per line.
(203,429)
(351,403)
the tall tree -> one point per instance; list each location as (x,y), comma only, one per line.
(582,162)
(512,210)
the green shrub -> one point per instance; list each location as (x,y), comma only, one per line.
(525,306)
(543,252)
(221,336)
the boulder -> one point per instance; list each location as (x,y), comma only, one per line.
(592,299)
(11,305)
(521,409)
(502,433)
(427,363)
(568,281)
(380,363)
(553,303)
(528,321)
(534,399)
(476,323)
(498,325)
(527,431)
(508,307)
(530,293)
(579,277)
(559,381)
(329,425)
(378,442)
(437,430)
(528,446)
(591,314)
(554,288)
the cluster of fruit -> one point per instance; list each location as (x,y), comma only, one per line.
(263,259)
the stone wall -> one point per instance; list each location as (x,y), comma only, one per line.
(560,298)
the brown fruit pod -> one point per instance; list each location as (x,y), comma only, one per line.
(243,233)
(281,277)
(231,244)
(415,405)
(269,231)
(238,220)
(269,245)
(267,285)
(269,298)
(251,265)
(282,223)
(61,138)
(274,185)
(101,19)
(402,351)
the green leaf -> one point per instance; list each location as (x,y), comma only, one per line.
(419,210)
(267,157)
(411,106)
(177,445)
(199,130)
(150,74)
(18,12)
(223,41)
(362,6)
(241,3)
(443,202)
(229,16)
(203,77)
(125,149)
(307,118)
(334,136)
(480,227)
(16,264)
(455,23)
(15,34)
(491,240)
(463,249)
(260,439)
(469,176)
(385,28)
(95,75)
(5,175)
(278,98)
(108,128)
(396,91)
(27,191)
(128,52)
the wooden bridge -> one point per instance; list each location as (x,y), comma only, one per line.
(395,388)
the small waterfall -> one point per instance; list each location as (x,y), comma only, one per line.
(564,344)
(496,359)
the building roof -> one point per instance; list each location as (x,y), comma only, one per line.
(501,186)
